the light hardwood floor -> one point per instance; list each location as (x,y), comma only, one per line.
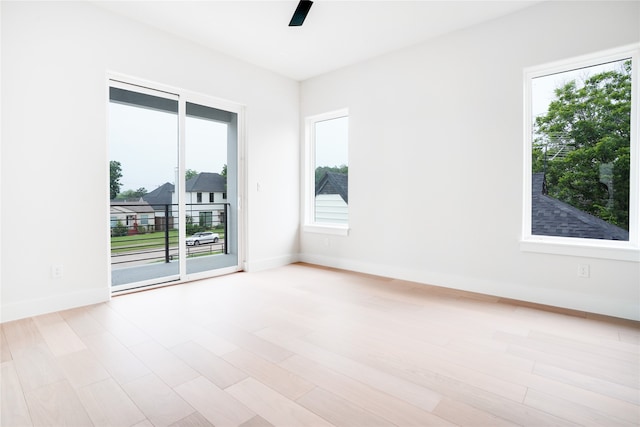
(307,346)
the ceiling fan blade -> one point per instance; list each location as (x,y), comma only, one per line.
(301,13)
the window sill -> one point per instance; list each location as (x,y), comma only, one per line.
(620,251)
(333,229)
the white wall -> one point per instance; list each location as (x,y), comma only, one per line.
(439,126)
(55,57)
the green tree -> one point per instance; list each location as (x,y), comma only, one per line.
(593,118)
(115,173)
(224,171)
(190,173)
(133,194)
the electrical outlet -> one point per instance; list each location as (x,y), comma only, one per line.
(57,270)
(583,270)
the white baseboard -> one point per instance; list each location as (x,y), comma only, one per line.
(35,307)
(589,303)
(268,263)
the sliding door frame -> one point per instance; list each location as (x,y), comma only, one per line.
(183,97)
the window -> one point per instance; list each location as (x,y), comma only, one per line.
(327,173)
(581,156)
(211,197)
(199,197)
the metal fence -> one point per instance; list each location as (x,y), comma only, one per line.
(142,233)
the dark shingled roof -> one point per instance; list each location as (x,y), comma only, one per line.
(160,196)
(551,217)
(207,182)
(334,183)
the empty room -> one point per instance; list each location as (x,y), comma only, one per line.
(328,213)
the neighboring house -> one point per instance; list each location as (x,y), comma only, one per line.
(160,197)
(332,198)
(551,217)
(132,214)
(205,195)
(161,200)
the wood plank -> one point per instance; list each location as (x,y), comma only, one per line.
(607,388)
(414,394)
(13,407)
(595,348)
(22,335)
(5,352)
(82,368)
(274,407)
(594,400)
(193,420)
(250,342)
(578,413)
(125,331)
(214,404)
(161,405)
(108,405)
(338,411)
(377,402)
(597,368)
(56,405)
(424,357)
(216,369)
(274,376)
(60,338)
(463,414)
(469,395)
(166,365)
(212,342)
(37,367)
(256,421)
(121,363)
(82,322)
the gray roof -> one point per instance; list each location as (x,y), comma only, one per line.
(160,196)
(138,207)
(551,217)
(334,183)
(209,182)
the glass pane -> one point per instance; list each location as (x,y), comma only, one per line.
(210,172)
(331,171)
(581,152)
(143,145)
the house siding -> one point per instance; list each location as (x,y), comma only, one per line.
(331,208)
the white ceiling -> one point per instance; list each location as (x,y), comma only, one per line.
(335,33)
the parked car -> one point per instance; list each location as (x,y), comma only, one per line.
(202,238)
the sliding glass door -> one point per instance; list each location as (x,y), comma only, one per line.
(210,188)
(173,186)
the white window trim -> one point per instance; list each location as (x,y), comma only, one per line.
(593,248)
(309,224)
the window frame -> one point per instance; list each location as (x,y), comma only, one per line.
(594,248)
(309,167)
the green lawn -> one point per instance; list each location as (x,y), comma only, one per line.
(146,241)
